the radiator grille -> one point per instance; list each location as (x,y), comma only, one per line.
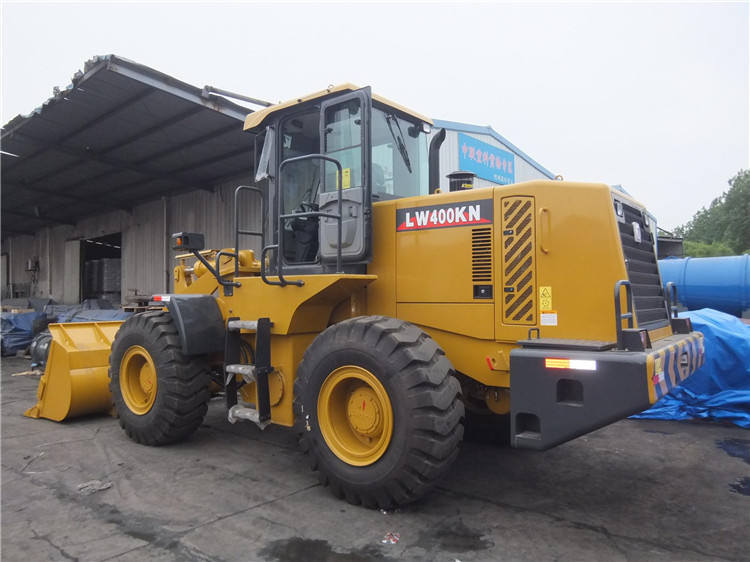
(481,255)
(643,271)
(519,293)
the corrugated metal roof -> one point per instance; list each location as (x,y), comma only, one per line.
(120,134)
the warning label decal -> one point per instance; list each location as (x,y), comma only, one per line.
(545,298)
(465,213)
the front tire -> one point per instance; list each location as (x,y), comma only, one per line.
(160,395)
(378,410)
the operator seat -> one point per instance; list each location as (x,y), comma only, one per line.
(301,234)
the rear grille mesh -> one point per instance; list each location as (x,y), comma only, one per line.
(643,271)
(481,255)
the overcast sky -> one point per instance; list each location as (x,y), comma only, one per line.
(651,96)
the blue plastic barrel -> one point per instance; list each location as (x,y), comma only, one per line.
(719,283)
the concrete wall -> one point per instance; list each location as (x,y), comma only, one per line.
(147,260)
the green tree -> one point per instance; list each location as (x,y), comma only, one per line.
(724,227)
(704,250)
(737,204)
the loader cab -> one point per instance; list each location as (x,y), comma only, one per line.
(334,156)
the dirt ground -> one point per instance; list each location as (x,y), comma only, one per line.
(636,490)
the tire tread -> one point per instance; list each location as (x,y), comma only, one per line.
(182,381)
(434,396)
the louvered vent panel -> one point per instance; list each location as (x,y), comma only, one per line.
(481,255)
(519,277)
(643,270)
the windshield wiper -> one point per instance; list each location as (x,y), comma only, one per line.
(398,139)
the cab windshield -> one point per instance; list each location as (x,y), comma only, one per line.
(399,156)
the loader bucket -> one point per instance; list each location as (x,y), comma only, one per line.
(76,381)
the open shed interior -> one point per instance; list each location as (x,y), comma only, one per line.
(96,179)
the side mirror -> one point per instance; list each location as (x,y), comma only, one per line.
(188,242)
(422,128)
(263,171)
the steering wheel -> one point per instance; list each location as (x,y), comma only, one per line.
(307,207)
(297,222)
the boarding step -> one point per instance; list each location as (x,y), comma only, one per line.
(237,325)
(248,372)
(240,413)
(256,373)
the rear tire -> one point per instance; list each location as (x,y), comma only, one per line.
(412,437)
(160,394)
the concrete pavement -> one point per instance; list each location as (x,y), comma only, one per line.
(637,490)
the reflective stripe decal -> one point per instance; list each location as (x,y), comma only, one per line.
(672,381)
(576,364)
(668,373)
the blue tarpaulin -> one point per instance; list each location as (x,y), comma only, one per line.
(720,389)
(95,315)
(17,330)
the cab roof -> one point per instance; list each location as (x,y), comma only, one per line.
(258,118)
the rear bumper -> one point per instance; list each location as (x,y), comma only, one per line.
(557,395)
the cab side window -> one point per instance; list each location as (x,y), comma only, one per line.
(343,141)
(300,135)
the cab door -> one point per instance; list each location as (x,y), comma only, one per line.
(345,136)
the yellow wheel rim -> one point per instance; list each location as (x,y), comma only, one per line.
(355,415)
(138,380)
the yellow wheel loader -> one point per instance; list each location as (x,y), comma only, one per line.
(380,311)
